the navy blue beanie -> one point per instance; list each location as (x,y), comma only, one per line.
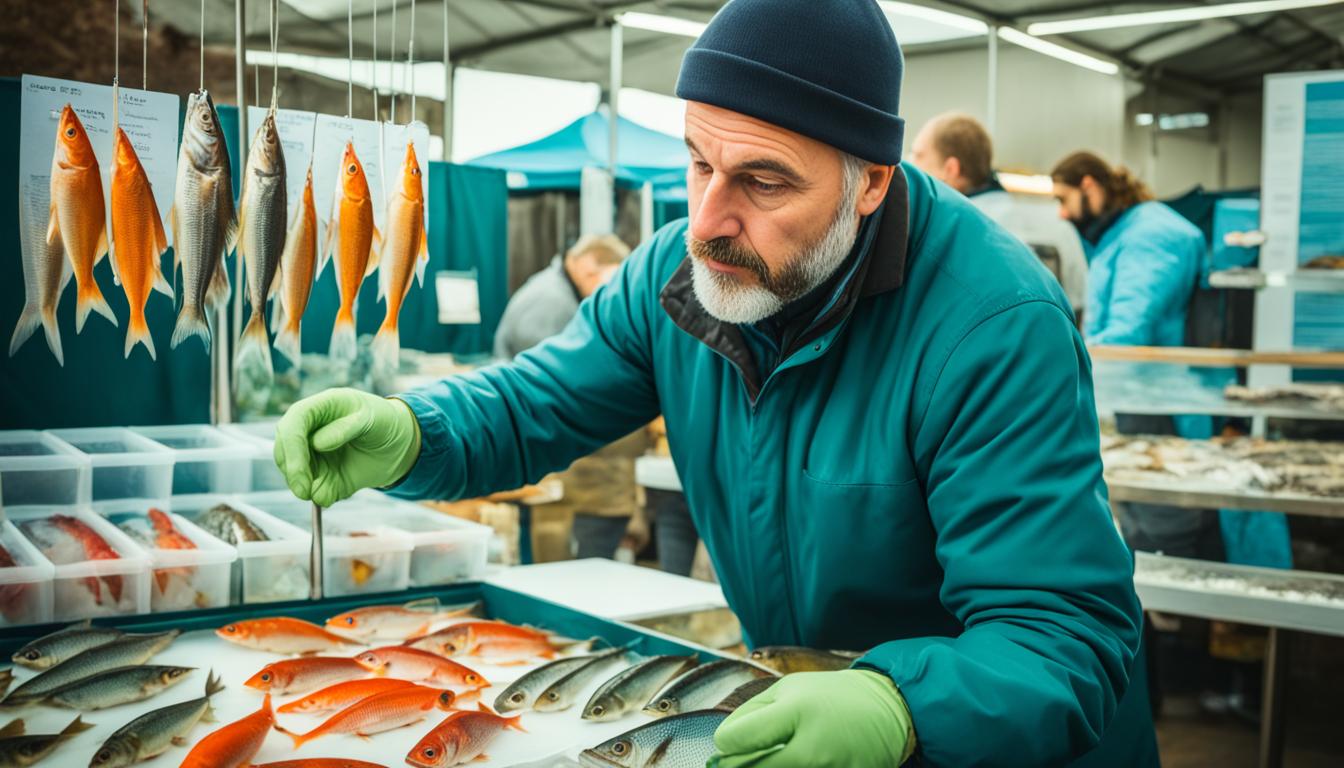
(828,69)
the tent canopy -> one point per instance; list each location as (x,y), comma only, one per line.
(557,161)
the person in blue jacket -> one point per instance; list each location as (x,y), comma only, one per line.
(879,407)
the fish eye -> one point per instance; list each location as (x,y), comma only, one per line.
(449,647)
(32,655)
(231,629)
(553,696)
(596,711)
(428,752)
(517,698)
(265,677)
(446,698)
(415,171)
(350,169)
(664,705)
(104,756)
(620,747)
(70,132)
(472,679)
(350,620)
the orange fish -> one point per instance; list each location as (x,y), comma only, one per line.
(281,634)
(405,253)
(343,694)
(138,240)
(77,215)
(168,537)
(380,712)
(10,594)
(319,762)
(297,265)
(461,738)
(491,639)
(395,622)
(95,548)
(413,664)
(352,241)
(299,675)
(235,744)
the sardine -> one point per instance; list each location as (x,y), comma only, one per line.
(405,254)
(152,733)
(138,240)
(787,659)
(703,687)
(46,272)
(50,650)
(563,692)
(236,743)
(523,691)
(461,738)
(202,218)
(261,237)
(352,242)
(629,690)
(230,526)
(679,741)
(127,650)
(117,686)
(19,751)
(77,214)
(298,266)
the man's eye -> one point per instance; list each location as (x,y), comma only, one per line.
(702,167)
(764,187)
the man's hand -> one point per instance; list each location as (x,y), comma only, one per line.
(852,718)
(334,443)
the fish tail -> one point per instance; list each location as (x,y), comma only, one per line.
(254,343)
(343,345)
(137,332)
(191,321)
(213,684)
(299,738)
(89,298)
(287,343)
(76,726)
(387,345)
(515,722)
(31,317)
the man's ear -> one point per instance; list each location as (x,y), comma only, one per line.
(873,189)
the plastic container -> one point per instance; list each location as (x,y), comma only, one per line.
(260,437)
(205,459)
(360,553)
(25,586)
(446,550)
(36,468)
(83,588)
(180,579)
(125,465)
(266,571)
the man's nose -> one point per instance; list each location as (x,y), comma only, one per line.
(716,217)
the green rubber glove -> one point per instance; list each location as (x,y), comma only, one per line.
(853,718)
(334,443)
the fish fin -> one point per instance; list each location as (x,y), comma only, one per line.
(76,726)
(289,344)
(515,722)
(481,758)
(160,237)
(12,728)
(137,332)
(343,344)
(172,224)
(231,230)
(217,294)
(112,259)
(191,321)
(277,316)
(422,258)
(53,227)
(180,741)
(103,248)
(375,252)
(299,738)
(89,298)
(386,345)
(160,282)
(331,242)
(254,343)
(31,317)
(426,604)
(275,285)
(213,684)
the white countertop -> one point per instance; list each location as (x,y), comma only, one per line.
(657,472)
(610,589)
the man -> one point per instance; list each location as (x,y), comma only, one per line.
(956,149)
(544,305)
(878,406)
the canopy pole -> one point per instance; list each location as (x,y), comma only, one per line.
(447,92)
(613,109)
(224,395)
(992,100)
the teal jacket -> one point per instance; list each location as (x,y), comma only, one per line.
(919,476)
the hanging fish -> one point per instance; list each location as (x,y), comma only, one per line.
(45,275)
(261,236)
(78,218)
(138,240)
(405,253)
(352,241)
(297,265)
(202,218)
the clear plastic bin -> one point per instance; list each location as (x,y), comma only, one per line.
(84,588)
(265,571)
(447,549)
(180,579)
(125,465)
(25,585)
(205,459)
(361,554)
(36,468)
(260,436)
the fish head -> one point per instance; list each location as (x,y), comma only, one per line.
(308,188)
(511,700)
(123,153)
(433,750)
(173,674)
(665,705)
(202,134)
(73,140)
(411,182)
(235,632)
(265,155)
(31,657)
(351,624)
(452,641)
(620,752)
(475,679)
(354,185)
(371,660)
(117,752)
(599,710)
(270,677)
(650,744)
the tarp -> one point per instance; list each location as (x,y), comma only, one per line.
(557,161)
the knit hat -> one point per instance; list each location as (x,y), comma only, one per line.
(828,69)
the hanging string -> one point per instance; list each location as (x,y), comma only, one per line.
(275,52)
(144,45)
(374,79)
(202,45)
(410,56)
(392,66)
(116,63)
(350,77)
(256,85)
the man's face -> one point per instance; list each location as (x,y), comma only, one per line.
(1072,203)
(927,158)
(589,275)
(768,215)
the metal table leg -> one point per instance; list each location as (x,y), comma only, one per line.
(1271,706)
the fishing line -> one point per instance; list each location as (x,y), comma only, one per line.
(116,63)
(144,45)
(350,77)
(374,78)
(202,45)
(410,55)
(392,66)
(275,52)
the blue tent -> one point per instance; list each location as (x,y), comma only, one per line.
(557,161)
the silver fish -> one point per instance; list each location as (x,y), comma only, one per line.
(787,659)
(122,685)
(523,691)
(703,687)
(20,751)
(629,690)
(202,218)
(50,650)
(262,219)
(152,733)
(680,741)
(46,272)
(562,693)
(230,526)
(128,650)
